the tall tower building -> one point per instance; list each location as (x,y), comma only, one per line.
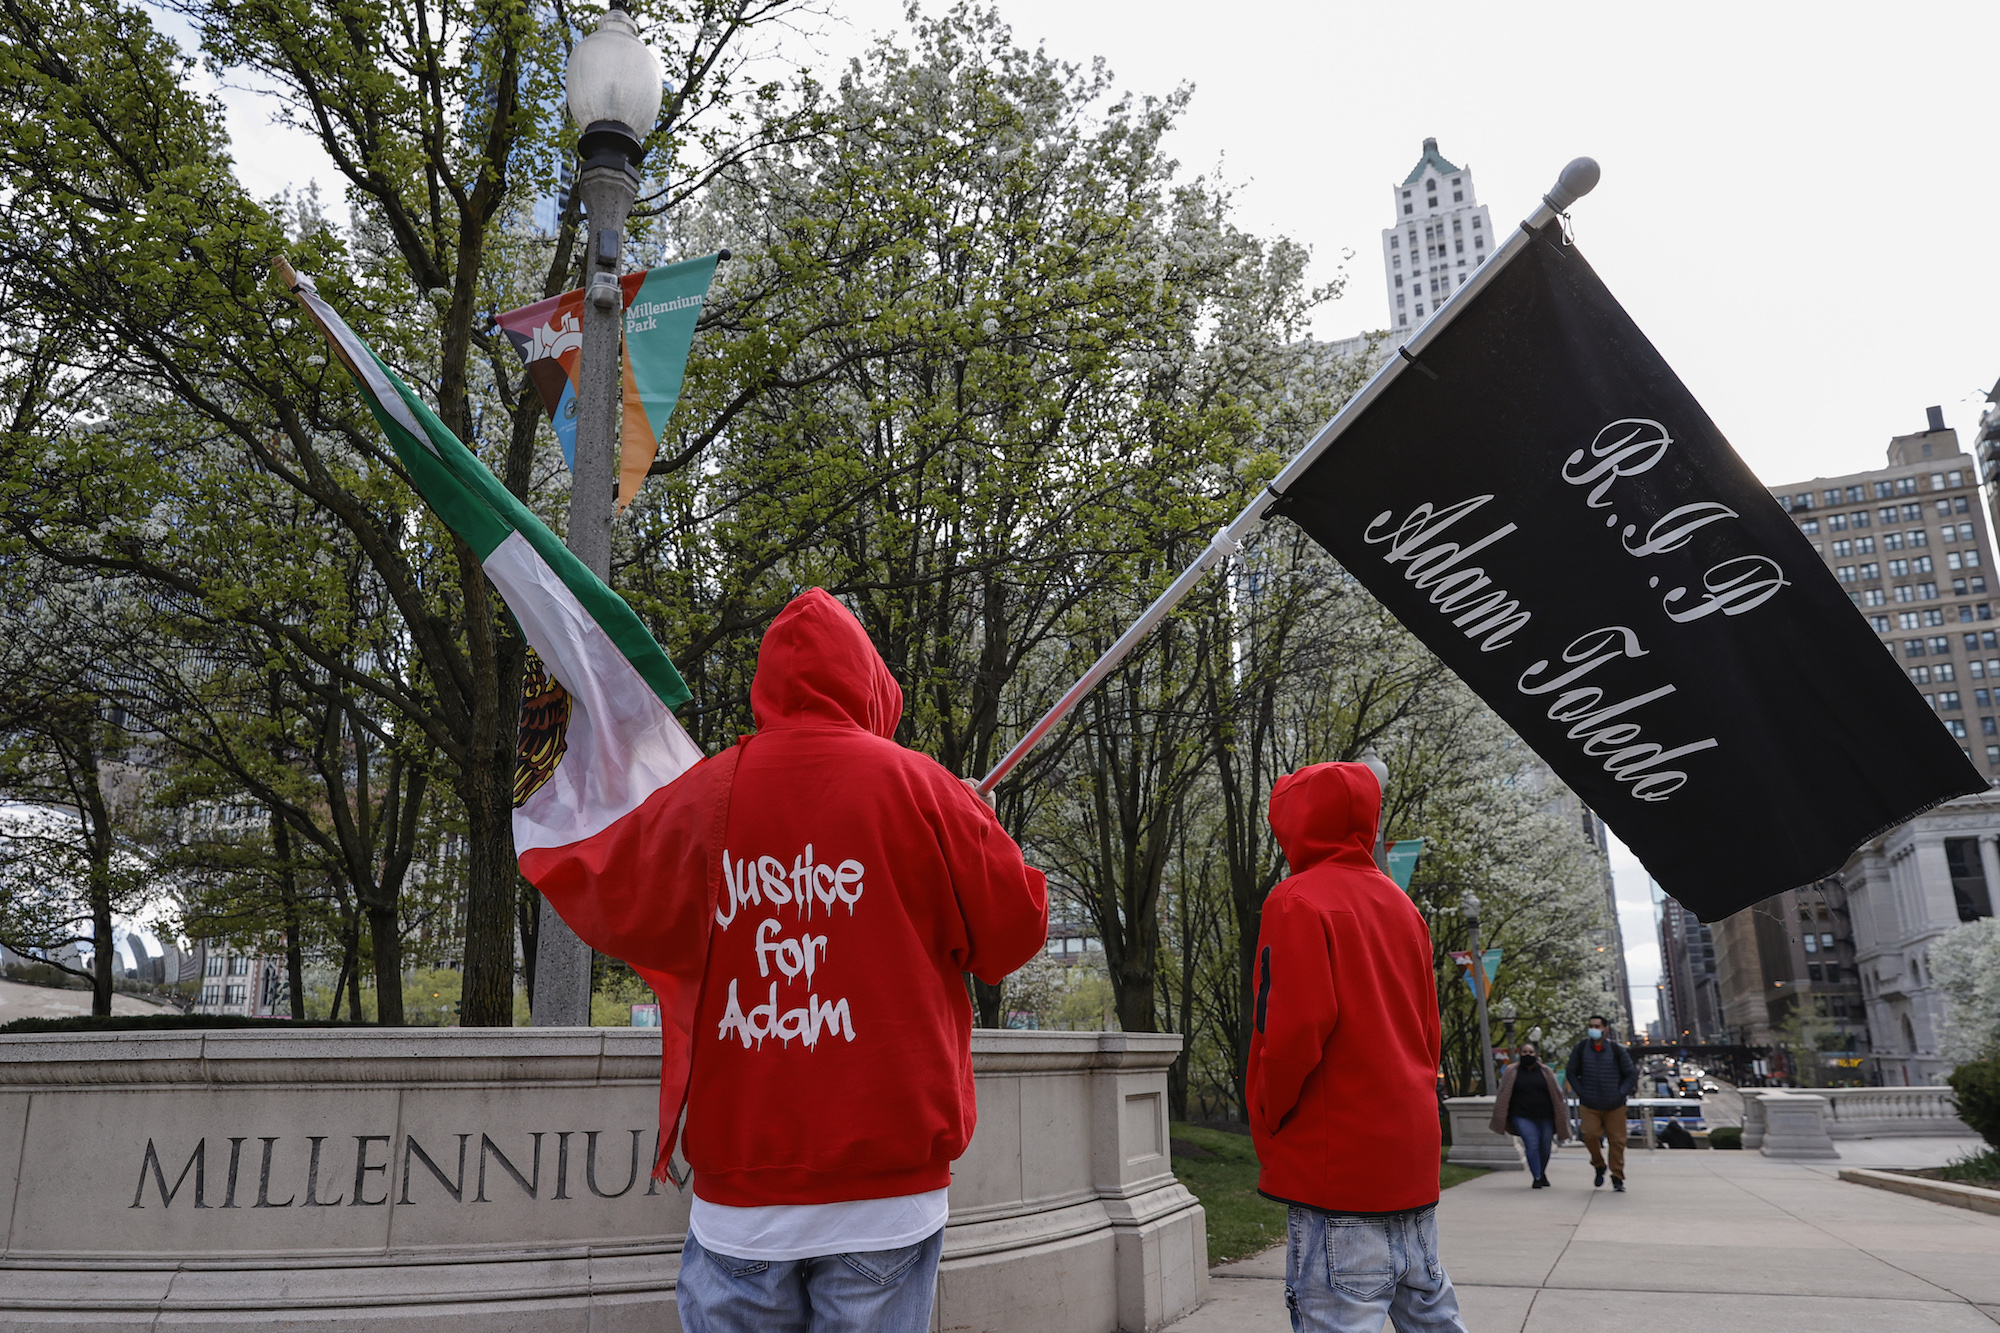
(1441,233)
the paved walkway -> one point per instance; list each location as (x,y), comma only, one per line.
(18,1000)
(1701,1240)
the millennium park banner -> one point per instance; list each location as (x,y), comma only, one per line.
(662,306)
(1541,501)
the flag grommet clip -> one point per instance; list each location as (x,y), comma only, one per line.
(1404,352)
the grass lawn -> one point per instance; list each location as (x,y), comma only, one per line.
(1223,1175)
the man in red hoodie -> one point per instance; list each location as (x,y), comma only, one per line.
(1343,1068)
(831,1080)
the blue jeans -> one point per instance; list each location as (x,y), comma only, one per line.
(1538,1138)
(1346,1273)
(881,1291)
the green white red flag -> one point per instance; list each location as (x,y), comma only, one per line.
(598,735)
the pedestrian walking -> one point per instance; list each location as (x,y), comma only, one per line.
(1602,1074)
(856,882)
(1530,1106)
(1343,1069)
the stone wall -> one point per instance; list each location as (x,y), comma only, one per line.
(394,1180)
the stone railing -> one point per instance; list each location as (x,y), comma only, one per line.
(1871,1113)
(1473,1142)
(387,1180)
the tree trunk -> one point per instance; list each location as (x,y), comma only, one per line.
(288,899)
(990,1000)
(487,790)
(100,922)
(385,934)
(528,920)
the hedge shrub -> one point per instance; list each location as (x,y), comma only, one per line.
(1977,1083)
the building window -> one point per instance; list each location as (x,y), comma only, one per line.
(1854,495)
(1831,495)
(1903,593)
(1906,486)
(1836,522)
(1934,617)
(1882,490)
(1920,675)
(1958,590)
(1899,569)
(1976,669)
(1948,701)
(1978,583)
(213,967)
(1927,591)
(1917,538)
(234,994)
(1864,545)
(1844,573)
(1843,548)
(1880,624)
(1407,208)
(213,994)
(1861,518)
(1906,619)
(1952,561)
(1922,564)
(1475,224)
(1420,310)
(1940,646)
(1876,597)
(1871,570)
(1892,541)
(1993,754)
(1887,515)
(1392,246)
(1937,481)
(1945,672)
(1458,196)
(1809,526)
(1402,321)
(1971,555)
(239,966)
(1478,242)
(1987,726)
(1913,647)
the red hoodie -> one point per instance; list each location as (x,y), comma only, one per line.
(1344,1041)
(832,1034)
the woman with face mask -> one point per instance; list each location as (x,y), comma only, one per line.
(1530,1107)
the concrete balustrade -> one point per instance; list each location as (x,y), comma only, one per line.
(1867,1113)
(1473,1142)
(444,1179)
(1796,1125)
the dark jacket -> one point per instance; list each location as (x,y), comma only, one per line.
(1503,1102)
(1601,1074)
(1344,1041)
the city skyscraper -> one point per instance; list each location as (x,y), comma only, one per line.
(1441,233)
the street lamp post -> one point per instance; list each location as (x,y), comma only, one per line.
(1506,1012)
(614,84)
(1468,907)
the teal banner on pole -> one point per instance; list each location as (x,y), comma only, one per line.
(1402,859)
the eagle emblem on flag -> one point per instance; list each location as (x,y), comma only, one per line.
(544,729)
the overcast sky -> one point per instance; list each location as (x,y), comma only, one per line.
(1797,204)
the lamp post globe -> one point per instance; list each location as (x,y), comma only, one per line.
(1468,906)
(614,84)
(615,87)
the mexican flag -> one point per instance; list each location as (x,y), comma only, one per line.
(598,735)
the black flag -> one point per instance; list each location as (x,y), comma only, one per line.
(1543,503)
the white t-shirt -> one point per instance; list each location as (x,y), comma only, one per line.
(808,1230)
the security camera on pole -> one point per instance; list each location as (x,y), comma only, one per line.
(615,85)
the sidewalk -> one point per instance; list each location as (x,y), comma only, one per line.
(1702,1240)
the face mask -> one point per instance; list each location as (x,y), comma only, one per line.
(1596,1034)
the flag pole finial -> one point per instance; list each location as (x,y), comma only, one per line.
(1578,179)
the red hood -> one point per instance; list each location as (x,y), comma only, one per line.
(1327,812)
(817,667)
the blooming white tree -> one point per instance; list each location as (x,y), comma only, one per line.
(1966,966)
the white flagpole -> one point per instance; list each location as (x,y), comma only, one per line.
(1577,179)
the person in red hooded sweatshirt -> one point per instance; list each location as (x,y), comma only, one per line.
(830,1086)
(1343,1068)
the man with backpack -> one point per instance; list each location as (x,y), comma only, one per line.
(1602,1074)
